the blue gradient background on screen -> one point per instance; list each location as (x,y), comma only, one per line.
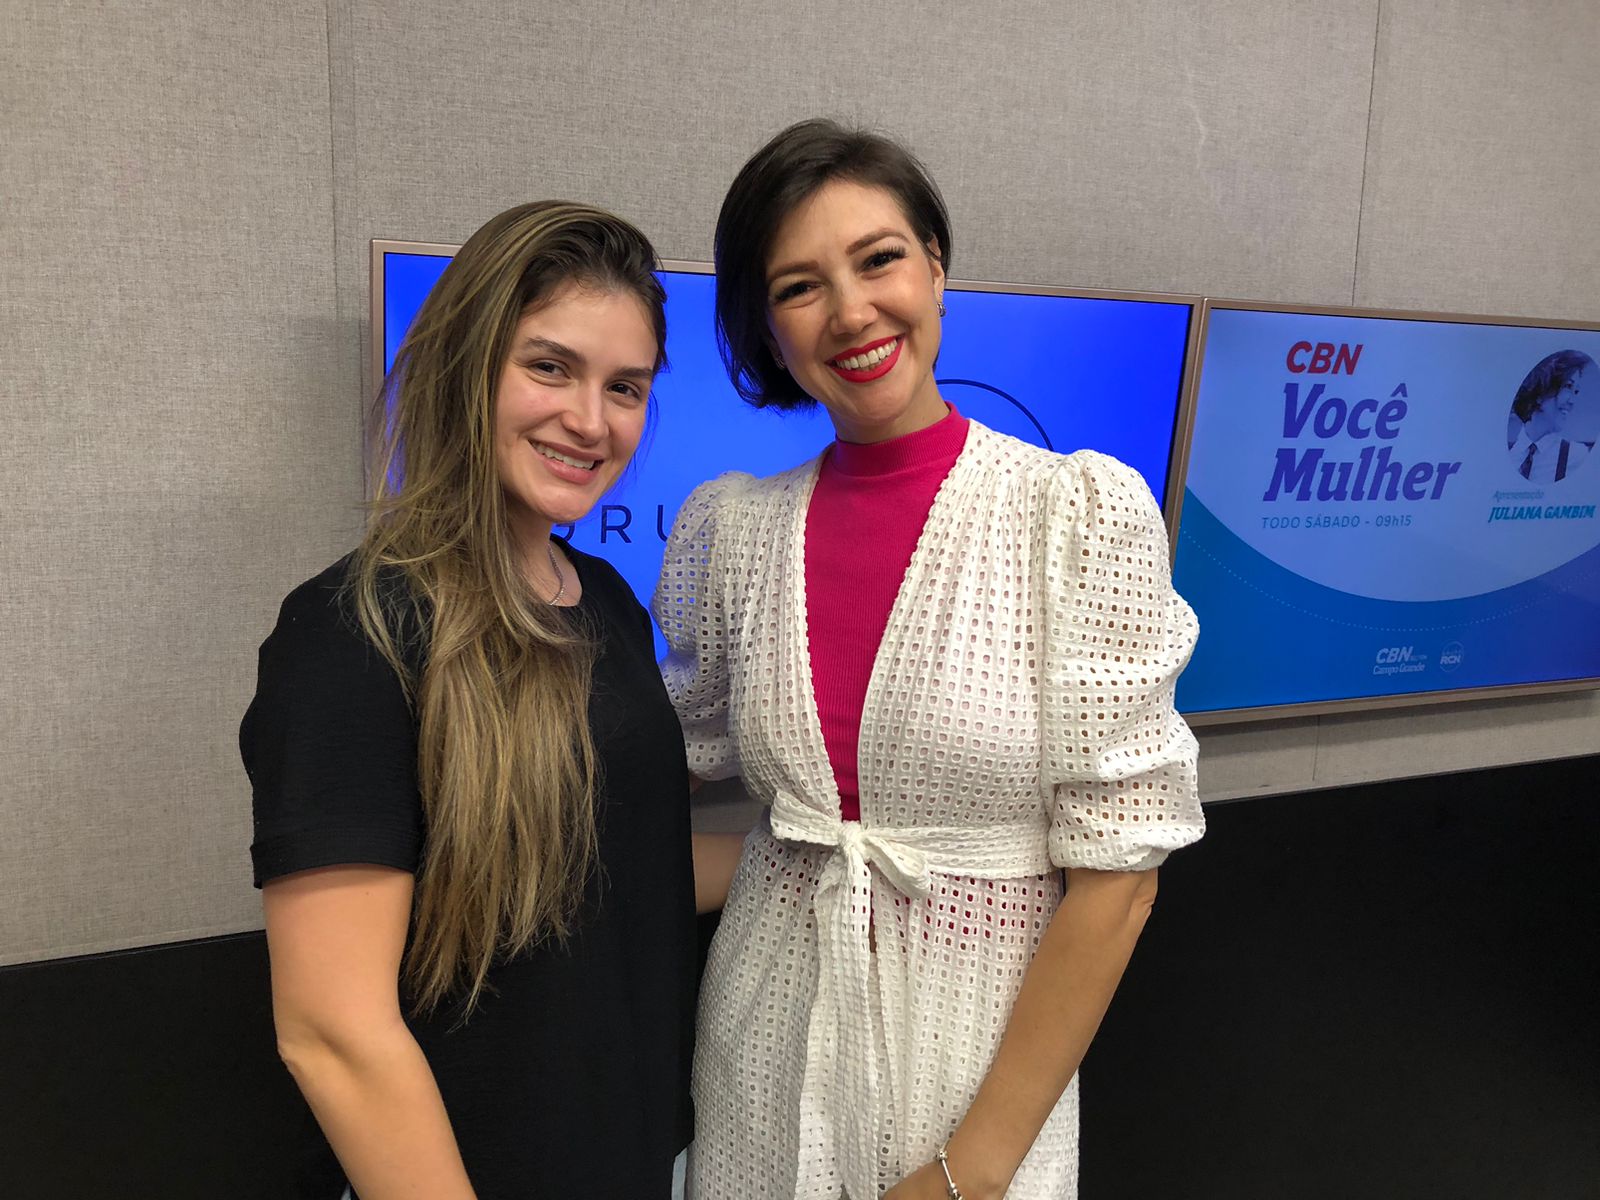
(1079,372)
(1383,597)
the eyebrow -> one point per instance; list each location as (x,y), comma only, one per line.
(861,243)
(557,350)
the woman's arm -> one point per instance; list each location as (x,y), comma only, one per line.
(1064,995)
(335,936)
(716,855)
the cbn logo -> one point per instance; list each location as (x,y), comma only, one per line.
(1394,654)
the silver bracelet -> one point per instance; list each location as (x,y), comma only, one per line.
(951,1191)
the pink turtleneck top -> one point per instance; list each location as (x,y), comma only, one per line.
(866,514)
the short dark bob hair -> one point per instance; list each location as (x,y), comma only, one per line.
(1547,379)
(781,176)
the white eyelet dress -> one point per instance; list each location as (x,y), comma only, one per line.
(1019,719)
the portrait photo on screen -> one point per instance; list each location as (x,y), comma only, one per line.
(1554,415)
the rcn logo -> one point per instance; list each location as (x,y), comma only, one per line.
(1394,654)
(1450,657)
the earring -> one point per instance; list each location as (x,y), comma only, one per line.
(941,306)
(778,358)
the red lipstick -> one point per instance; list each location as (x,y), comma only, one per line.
(868,374)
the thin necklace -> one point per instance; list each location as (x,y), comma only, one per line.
(561,580)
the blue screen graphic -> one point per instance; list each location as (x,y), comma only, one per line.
(1378,507)
(1057,371)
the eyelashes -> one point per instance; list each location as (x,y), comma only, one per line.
(876,261)
(549,369)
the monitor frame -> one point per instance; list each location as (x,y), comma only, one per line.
(1194,303)
(1179,471)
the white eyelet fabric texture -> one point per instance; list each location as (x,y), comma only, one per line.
(1019,719)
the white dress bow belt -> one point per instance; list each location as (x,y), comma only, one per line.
(840,1096)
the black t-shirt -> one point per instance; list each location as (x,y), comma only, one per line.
(571,1077)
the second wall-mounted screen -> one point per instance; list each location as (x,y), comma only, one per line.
(1384,507)
(1054,368)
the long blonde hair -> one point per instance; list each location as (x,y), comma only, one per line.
(505,761)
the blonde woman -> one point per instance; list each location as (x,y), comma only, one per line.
(471,823)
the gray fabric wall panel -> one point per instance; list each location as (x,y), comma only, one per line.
(1483,166)
(1169,147)
(1239,761)
(175,458)
(1147,145)
(1365,747)
(188,199)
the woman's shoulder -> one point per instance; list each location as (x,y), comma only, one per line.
(323,612)
(1100,472)
(738,486)
(1051,470)
(736,494)
(320,604)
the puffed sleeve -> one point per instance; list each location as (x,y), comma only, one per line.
(1118,759)
(688,607)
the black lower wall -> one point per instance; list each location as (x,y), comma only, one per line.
(1384,991)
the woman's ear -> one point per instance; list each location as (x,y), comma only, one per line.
(936,268)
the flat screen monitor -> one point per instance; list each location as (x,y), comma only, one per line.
(1385,507)
(1058,368)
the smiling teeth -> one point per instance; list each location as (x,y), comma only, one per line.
(583,464)
(861,362)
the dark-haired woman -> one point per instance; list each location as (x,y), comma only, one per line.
(945,659)
(470,794)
